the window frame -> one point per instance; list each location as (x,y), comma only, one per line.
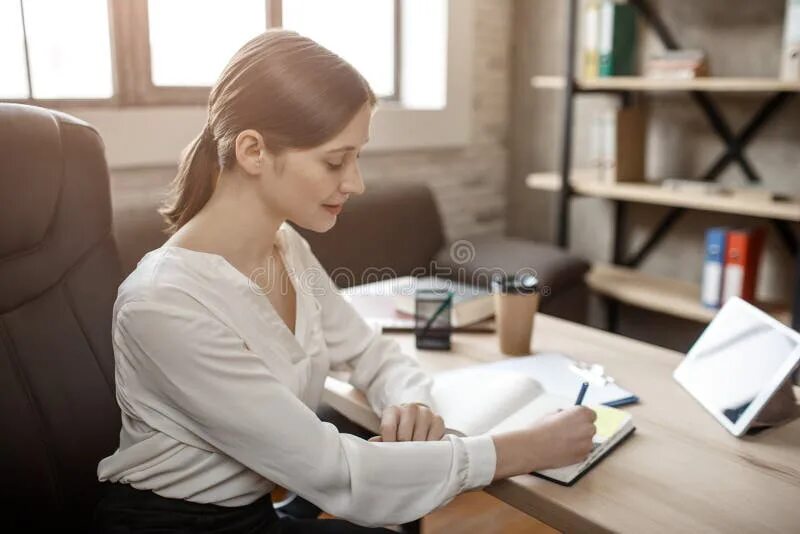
(131,66)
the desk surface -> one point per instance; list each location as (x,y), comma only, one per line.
(680,471)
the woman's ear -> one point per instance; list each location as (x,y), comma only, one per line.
(251,152)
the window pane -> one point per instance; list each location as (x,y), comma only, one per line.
(13,72)
(191,41)
(361,31)
(424,69)
(69,60)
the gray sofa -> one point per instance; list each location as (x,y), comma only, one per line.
(395,227)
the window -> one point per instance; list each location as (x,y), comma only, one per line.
(150,52)
(46,59)
(341,27)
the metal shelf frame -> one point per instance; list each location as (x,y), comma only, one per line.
(734,142)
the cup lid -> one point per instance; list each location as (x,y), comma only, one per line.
(525,284)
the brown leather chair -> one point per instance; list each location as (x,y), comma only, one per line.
(59,274)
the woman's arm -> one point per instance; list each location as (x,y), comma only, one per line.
(380,369)
(181,366)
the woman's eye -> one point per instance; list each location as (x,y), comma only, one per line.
(335,166)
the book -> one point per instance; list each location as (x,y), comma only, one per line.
(618,139)
(470,303)
(711,287)
(591,39)
(742,258)
(389,304)
(790,60)
(617,39)
(677,65)
(475,401)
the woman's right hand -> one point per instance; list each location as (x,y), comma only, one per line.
(559,439)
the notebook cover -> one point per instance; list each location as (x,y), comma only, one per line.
(599,459)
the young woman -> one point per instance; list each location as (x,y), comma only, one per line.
(224,335)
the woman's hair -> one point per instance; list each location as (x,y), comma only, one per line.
(293,91)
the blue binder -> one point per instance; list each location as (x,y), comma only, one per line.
(713,267)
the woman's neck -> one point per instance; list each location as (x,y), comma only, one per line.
(234,224)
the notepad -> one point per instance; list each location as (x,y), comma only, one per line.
(474,401)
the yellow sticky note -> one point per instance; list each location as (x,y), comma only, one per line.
(609,420)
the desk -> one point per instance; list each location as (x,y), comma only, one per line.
(679,472)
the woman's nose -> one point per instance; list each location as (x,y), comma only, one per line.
(353,183)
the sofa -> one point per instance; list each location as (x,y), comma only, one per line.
(395,228)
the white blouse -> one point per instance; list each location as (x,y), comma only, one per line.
(217,395)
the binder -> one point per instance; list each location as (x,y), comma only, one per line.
(617,39)
(711,288)
(591,39)
(742,257)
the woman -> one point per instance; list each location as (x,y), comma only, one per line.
(224,335)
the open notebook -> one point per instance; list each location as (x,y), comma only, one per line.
(474,401)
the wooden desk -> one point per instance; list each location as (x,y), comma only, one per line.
(679,472)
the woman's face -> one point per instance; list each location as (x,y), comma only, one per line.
(311,186)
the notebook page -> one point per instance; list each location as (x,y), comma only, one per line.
(473,402)
(531,412)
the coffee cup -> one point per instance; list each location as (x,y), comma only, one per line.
(516,301)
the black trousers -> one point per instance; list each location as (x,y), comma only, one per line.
(126,510)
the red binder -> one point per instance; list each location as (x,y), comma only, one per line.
(742,257)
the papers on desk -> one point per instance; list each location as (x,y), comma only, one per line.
(563,376)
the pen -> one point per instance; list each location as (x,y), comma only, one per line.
(582,393)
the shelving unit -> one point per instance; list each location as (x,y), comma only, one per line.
(621,282)
(665,295)
(583,184)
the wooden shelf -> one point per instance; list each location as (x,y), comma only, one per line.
(665,295)
(646,193)
(637,83)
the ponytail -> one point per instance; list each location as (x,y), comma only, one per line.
(193,185)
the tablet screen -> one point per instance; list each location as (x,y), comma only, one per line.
(735,359)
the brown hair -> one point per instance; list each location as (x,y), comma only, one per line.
(293,91)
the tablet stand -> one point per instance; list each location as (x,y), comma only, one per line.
(781,409)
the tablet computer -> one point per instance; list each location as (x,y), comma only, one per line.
(738,363)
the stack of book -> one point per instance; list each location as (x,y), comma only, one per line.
(731,264)
(677,65)
(609,47)
(390,304)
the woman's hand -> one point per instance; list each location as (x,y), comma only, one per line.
(559,439)
(410,422)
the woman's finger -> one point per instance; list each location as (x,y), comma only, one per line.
(422,425)
(436,431)
(389,423)
(408,416)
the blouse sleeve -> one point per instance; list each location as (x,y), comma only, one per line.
(186,367)
(379,367)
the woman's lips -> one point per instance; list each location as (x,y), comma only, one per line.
(333,209)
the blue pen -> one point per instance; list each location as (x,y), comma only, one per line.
(582,393)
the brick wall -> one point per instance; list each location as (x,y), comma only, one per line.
(469,183)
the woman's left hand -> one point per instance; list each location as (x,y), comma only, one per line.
(410,422)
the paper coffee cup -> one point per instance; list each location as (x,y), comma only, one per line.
(516,301)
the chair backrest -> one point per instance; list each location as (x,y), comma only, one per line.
(59,274)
